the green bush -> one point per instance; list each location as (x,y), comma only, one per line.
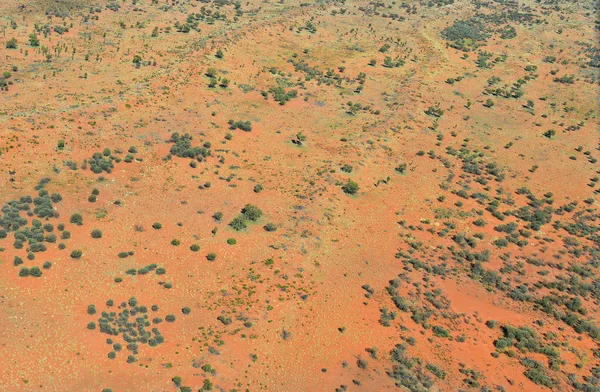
(211,256)
(76,219)
(76,254)
(96,233)
(238,223)
(350,187)
(195,248)
(251,212)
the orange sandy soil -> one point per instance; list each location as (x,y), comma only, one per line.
(327,244)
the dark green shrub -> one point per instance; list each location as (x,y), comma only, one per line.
(211,256)
(195,248)
(96,233)
(76,254)
(156,226)
(76,219)
(238,223)
(350,187)
(251,212)
(35,272)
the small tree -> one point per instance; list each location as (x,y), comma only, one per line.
(219,54)
(96,233)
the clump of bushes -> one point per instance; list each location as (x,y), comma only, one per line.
(182,147)
(245,126)
(249,213)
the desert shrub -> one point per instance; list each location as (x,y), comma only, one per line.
(46,265)
(346,168)
(11,43)
(96,233)
(24,272)
(37,247)
(251,212)
(182,147)
(218,216)
(270,227)
(439,373)
(238,223)
(91,325)
(170,318)
(175,242)
(258,188)
(195,248)
(245,126)
(156,226)
(440,332)
(91,309)
(76,254)
(350,187)
(211,256)
(35,272)
(76,219)
(186,310)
